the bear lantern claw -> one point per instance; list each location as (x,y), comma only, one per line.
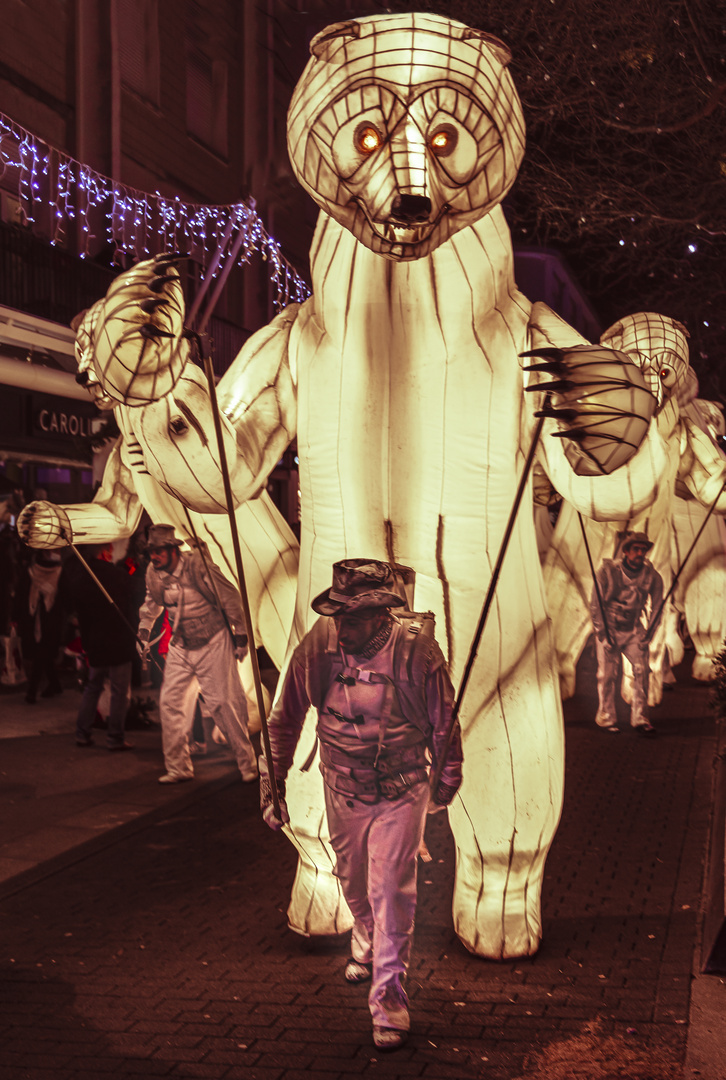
(602,399)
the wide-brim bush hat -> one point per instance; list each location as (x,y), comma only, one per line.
(163,536)
(636,538)
(358,584)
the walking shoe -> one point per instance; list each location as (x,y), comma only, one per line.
(356,971)
(121,746)
(85,742)
(645,729)
(174,778)
(388,1038)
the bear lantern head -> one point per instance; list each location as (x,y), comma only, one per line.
(405,129)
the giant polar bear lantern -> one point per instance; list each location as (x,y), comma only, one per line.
(413,427)
(164,461)
(401,377)
(691,485)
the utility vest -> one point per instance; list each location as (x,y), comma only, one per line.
(385,772)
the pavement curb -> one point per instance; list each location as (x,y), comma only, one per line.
(704,1048)
(187,795)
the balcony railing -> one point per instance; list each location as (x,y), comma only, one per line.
(47,281)
(43,280)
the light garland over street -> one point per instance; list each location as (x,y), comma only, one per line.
(55,191)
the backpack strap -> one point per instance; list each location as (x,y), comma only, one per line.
(411,660)
(415,647)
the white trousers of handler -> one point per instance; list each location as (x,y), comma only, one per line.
(212,669)
(376,849)
(629,643)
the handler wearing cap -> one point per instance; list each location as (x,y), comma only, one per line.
(625,585)
(205,645)
(384,699)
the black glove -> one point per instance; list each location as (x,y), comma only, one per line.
(142,643)
(445,793)
(266,806)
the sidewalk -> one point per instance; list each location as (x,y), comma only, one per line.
(59,802)
(148,935)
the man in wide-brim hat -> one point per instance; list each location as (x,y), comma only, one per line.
(208,638)
(378,680)
(618,608)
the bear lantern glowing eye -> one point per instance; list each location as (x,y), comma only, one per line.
(367,139)
(443,141)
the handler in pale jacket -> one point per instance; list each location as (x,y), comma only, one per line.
(208,638)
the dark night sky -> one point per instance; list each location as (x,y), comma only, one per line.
(625,170)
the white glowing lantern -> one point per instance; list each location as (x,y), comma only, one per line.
(402,379)
(700,595)
(166,457)
(659,348)
(413,426)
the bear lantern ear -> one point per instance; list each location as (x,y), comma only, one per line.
(496,45)
(335,30)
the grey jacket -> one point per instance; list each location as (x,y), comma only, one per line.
(624,597)
(201,617)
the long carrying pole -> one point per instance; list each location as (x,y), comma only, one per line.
(200,549)
(209,372)
(487,602)
(211,271)
(112,602)
(224,274)
(595,582)
(656,618)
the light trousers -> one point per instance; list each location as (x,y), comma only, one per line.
(212,669)
(376,849)
(630,644)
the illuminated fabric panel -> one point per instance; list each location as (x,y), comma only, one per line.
(696,469)
(403,379)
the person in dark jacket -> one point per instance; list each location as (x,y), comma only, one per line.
(107,640)
(39,613)
(10,505)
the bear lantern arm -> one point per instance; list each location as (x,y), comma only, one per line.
(257,398)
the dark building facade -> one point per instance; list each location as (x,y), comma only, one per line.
(169,98)
(178,101)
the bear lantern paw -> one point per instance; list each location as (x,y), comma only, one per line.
(600,400)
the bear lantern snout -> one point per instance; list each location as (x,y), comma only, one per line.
(411,209)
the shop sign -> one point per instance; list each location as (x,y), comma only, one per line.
(63,418)
(46,424)
(65,422)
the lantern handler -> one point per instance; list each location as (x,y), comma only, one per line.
(622,590)
(378,680)
(203,607)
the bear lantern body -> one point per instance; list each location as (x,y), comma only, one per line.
(413,427)
(402,379)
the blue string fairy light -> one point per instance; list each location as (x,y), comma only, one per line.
(136,224)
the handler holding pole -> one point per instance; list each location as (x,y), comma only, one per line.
(202,652)
(383,696)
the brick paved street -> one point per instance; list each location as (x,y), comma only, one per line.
(167,953)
